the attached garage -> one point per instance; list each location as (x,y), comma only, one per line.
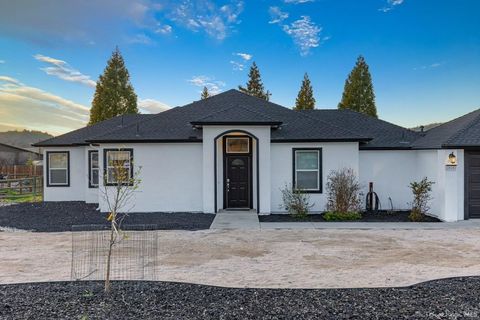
(472,184)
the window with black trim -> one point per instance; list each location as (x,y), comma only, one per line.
(118,166)
(237,145)
(58,168)
(307,169)
(93,167)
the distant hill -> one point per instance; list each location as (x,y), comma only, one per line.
(427,126)
(23,139)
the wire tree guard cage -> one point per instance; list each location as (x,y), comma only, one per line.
(134,256)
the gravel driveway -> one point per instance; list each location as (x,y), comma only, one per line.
(270,258)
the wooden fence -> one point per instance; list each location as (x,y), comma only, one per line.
(21,171)
(17,188)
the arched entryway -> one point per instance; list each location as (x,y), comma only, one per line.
(239,163)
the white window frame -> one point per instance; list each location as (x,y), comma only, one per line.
(66,169)
(92,169)
(318,170)
(107,152)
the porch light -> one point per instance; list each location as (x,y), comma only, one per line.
(452,159)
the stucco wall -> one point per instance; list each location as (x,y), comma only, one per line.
(76,190)
(392,172)
(334,156)
(170,174)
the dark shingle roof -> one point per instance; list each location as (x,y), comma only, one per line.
(79,136)
(176,124)
(236,115)
(384,134)
(460,132)
(234,107)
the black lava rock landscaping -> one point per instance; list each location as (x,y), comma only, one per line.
(61,216)
(381,216)
(456,298)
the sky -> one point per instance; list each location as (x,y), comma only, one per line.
(424,55)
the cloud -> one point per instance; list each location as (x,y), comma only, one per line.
(297,1)
(305,34)
(276,15)
(140,38)
(50,22)
(430,66)
(62,70)
(390,5)
(9,81)
(163,29)
(2,61)
(213,86)
(237,66)
(216,22)
(244,56)
(33,108)
(152,106)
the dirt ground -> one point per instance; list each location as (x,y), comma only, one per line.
(270,258)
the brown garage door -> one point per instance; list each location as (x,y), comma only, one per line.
(472,185)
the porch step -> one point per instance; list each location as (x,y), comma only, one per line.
(236,220)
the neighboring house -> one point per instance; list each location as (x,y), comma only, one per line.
(234,151)
(11,155)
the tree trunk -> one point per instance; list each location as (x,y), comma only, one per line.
(109,259)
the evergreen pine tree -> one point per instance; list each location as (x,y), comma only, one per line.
(254,85)
(305,99)
(205,94)
(358,94)
(114,94)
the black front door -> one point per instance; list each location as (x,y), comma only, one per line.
(237,181)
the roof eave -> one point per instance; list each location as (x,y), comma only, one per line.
(237,123)
(146,141)
(321,140)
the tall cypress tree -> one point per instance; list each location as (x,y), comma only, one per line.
(205,94)
(254,85)
(114,94)
(305,99)
(358,94)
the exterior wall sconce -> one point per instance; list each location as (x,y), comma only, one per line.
(452,159)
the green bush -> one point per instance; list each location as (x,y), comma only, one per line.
(342,216)
(296,202)
(421,196)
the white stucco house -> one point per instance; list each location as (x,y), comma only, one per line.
(234,151)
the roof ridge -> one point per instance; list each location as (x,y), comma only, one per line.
(470,124)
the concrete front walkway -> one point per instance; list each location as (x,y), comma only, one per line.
(466,224)
(228,220)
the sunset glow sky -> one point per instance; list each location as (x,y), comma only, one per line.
(424,55)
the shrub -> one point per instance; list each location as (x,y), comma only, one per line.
(421,196)
(296,202)
(341,216)
(343,191)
